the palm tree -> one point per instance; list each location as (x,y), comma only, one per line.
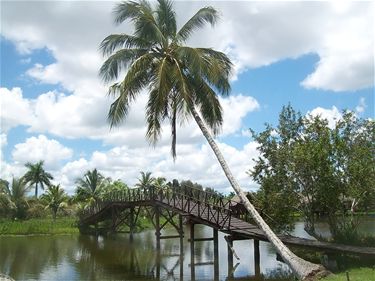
(36,175)
(182,82)
(91,186)
(55,199)
(14,197)
(146,180)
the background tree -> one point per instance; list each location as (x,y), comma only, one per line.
(54,199)
(36,175)
(146,180)
(315,168)
(90,186)
(182,82)
(15,195)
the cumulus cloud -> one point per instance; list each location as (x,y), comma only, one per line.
(15,109)
(194,162)
(331,115)
(41,148)
(361,107)
(253,33)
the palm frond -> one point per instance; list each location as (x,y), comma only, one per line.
(154,116)
(135,80)
(208,104)
(166,18)
(118,62)
(123,41)
(129,10)
(204,15)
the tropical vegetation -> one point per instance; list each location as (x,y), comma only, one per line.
(36,175)
(181,82)
(317,170)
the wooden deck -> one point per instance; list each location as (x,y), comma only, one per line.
(205,208)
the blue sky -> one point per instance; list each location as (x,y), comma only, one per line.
(53,105)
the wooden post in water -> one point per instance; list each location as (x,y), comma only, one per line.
(192,252)
(181,230)
(256,257)
(131,223)
(157,226)
(216,254)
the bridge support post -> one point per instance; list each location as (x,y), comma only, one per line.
(131,224)
(216,254)
(157,227)
(192,251)
(256,257)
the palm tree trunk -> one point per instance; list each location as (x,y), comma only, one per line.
(303,269)
(36,190)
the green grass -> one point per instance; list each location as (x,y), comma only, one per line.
(357,274)
(38,226)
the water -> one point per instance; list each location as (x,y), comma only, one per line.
(79,257)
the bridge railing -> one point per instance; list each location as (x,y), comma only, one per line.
(207,205)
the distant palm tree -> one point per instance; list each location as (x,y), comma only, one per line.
(181,81)
(90,186)
(146,180)
(55,199)
(160,183)
(37,175)
(14,196)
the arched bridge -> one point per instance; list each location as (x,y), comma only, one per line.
(196,206)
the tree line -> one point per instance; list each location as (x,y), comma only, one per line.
(307,167)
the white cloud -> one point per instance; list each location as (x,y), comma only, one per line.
(194,162)
(15,109)
(331,115)
(361,107)
(254,33)
(41,148)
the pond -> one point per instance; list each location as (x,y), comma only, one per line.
(80,257)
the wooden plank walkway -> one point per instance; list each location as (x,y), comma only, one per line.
(218,215)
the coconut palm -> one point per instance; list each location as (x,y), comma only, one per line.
(146,180)
(91,186)
(14,197)
(55,199)
(181,82)
(36,175)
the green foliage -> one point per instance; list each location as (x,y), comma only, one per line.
(306,166)
(117,185)
(38,226)
(146,180)
(36,175)
(178,78)
(13,198)
(54,199)
(357,274)
(90,187)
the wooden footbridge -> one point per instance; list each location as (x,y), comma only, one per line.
(177,205)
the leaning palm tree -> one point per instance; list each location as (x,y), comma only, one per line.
(55,199)
(91,186)
(181,82)
(36,175)
(146,180)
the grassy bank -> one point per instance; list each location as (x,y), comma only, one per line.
(357,274)
(39,226)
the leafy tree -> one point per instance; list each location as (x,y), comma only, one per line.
(36,175)
(90,186)
(308,166)
(55,199)
(14,196)
(182,82)
(146,180)
(115,186)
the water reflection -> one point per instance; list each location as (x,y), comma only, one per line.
(115,258)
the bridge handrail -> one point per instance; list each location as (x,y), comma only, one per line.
(211,200)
